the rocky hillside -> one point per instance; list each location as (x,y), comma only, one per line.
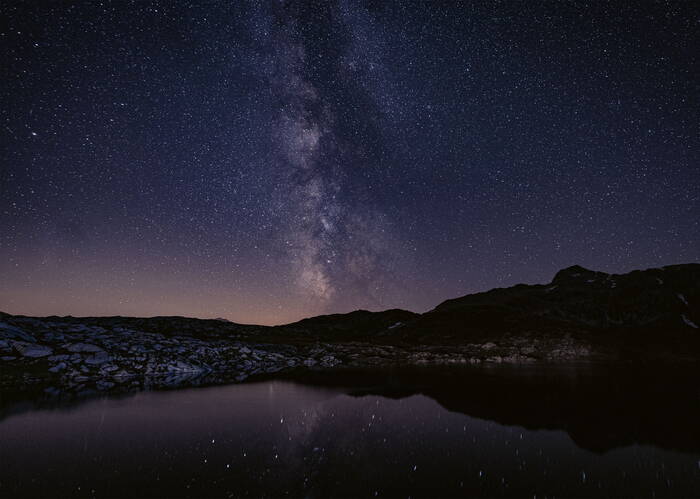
(581,315)
(660,305)
(645,313)
(667,298)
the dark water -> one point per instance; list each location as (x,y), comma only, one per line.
(476,432)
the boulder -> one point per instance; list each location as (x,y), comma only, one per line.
(84,347)
(13,332)
(99,358)
(58,367)
(31,349)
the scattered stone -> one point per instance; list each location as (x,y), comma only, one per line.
(329,361)
(31,349)
(84,347)
(13,332)
(61,357)
(99,358)
(58,367)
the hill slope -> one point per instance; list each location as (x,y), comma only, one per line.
(655,305)
(581,315)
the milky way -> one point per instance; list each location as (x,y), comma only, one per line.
(338,243)
(267,161)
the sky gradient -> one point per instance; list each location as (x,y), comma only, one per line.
(269,161)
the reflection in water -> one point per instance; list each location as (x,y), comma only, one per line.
(500,432)
(599,406)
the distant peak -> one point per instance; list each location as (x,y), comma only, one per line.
(574,272)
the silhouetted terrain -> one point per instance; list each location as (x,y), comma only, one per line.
(628,311)
(582,315)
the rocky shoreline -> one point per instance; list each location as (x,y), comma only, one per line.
(582,315)
(75,356)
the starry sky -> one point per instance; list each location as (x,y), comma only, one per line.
(268,161)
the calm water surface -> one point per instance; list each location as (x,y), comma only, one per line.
(498,433)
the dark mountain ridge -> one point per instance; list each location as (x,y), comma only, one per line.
(578,301)
(648,315)
(655,309)
(360,323)
(659,300)
(582,316)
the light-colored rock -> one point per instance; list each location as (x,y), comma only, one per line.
(31,349)
(59,358)
(99,358)
(84,347)
(329,361)
(9,331)
(58,367)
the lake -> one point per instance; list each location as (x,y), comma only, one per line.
(535,432)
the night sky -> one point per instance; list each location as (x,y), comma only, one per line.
(267,161)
